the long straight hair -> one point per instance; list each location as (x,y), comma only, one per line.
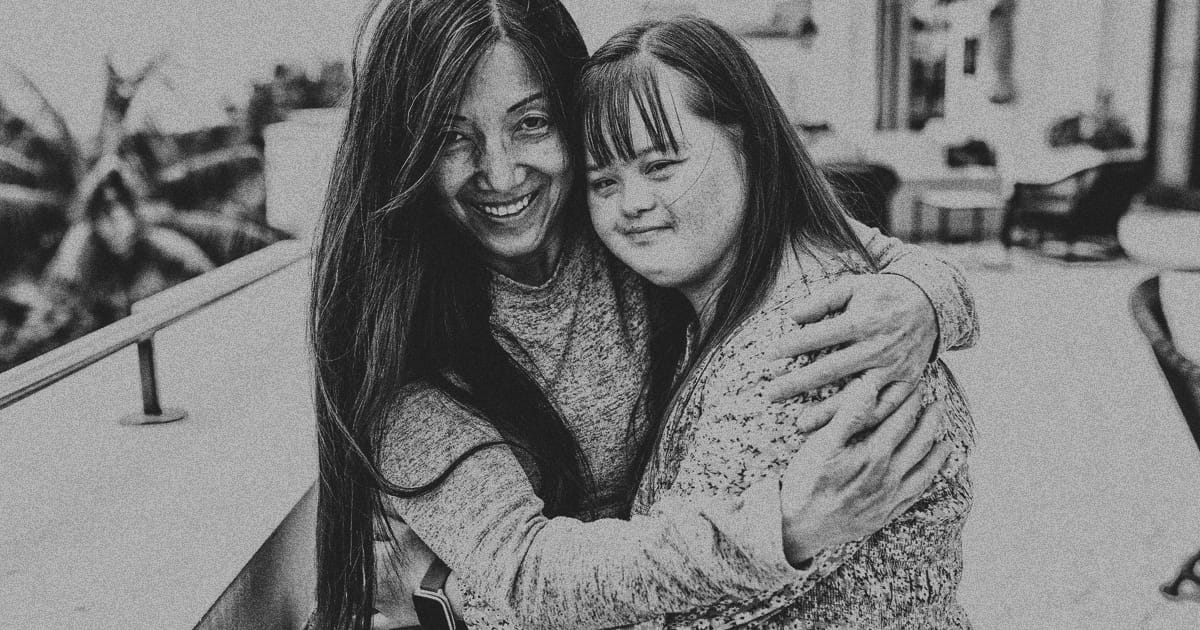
(394,301)
(790,205)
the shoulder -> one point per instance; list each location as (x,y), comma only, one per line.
(740,364)
(424,431)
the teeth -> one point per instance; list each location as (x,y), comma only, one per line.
(505,210)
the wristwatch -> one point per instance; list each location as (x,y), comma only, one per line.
(430,601)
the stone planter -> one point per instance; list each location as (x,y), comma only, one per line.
(299,156)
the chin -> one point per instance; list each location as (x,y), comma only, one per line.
(516,246)
(658,275)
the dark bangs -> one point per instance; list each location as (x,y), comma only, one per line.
(605,95)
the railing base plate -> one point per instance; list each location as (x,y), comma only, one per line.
(167,415)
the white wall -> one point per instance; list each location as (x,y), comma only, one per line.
(217,47)
(1066,49)
(1178,93)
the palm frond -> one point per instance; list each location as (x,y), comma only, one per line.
(74,259)
(221,236)
(36,317)
(26,199)
(31,223)
(177,251)
(17,168)
(46,120)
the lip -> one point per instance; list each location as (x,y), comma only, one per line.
(642,229)
(533,198)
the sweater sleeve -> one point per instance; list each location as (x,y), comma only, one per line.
(942,282)
(487,524)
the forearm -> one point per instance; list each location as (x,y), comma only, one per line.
(941,281)
(562,572)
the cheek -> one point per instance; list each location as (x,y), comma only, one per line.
(603,213)
(550,158)
(450,174)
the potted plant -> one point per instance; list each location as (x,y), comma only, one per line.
(299,123)
(85,233)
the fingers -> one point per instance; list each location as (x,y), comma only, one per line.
(815,336)
(824,301)
(854,414)
(891,430)
(914,484)
(816,416)
(921,440)
(824,371)
(892,396)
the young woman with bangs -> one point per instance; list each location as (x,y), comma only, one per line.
(483,364)
(698,183)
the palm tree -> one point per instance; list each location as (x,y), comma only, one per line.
(81,238)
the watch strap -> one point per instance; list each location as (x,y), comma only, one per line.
(436,576)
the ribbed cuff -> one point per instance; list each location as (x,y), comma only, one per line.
(762,514)
(937,313)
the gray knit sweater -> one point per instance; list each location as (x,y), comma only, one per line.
(582,334)
(721,436)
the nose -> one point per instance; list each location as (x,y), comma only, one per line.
(637,198)
(499,168)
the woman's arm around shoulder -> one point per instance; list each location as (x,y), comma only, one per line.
(486,522)
(942,282)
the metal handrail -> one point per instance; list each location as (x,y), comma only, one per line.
(148,317)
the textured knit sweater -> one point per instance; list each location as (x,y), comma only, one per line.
(582,334)
(721,436)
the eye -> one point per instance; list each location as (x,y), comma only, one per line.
(602,186)
(534,123)
(661,167)
(454,139)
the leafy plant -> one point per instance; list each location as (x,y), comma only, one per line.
(291,88)
(84,236)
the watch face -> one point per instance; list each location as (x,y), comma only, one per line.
(433,610)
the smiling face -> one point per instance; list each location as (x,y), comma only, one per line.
(504,174)
(673,216)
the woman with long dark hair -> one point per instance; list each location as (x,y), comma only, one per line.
(480,360)
(699,184)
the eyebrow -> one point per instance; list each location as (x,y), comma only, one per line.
(640,154)
(525,101)
(514,107)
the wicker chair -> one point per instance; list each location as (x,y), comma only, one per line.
(1086,203)
(866,188)
(1183,375)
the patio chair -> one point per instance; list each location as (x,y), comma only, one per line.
(866,188)
(1086,203)
(1183,376)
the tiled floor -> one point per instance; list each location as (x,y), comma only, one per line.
(1087,482)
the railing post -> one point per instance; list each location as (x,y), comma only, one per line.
(152,411)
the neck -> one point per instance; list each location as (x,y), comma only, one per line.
(536,267)
(702,294)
